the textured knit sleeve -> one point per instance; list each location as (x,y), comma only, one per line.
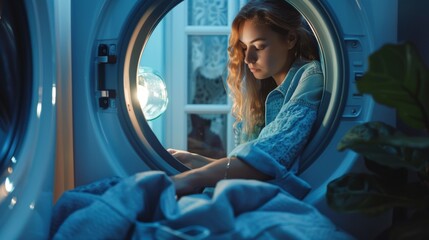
(282,140)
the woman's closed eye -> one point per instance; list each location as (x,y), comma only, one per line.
(254,47)
(260,47)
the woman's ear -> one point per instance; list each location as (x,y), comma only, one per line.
(291,39)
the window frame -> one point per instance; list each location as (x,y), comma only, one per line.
(177,34)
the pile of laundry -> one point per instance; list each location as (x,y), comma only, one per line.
(145,206)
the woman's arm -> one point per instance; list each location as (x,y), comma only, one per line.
(191,160)
(194,180)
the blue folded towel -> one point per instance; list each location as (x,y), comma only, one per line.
(144,206)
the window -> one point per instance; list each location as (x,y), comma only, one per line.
(193,40)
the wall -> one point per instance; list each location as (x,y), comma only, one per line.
(413,25)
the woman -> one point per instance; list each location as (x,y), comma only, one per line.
(276,85)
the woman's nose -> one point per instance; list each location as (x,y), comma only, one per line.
(250,56)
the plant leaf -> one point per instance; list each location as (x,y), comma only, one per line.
(381,143)
(369,194)
(397,77)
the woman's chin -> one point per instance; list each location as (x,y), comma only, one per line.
(260,76)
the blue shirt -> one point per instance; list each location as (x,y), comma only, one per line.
(290,112)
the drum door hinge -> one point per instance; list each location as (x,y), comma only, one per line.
(106,55)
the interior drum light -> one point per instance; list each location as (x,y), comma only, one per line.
(151,93)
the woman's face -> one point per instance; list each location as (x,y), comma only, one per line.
(266,52)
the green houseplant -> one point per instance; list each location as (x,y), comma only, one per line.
(398,163)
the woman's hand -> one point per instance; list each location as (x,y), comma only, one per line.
(191,160)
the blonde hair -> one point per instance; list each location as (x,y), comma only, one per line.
(247,93)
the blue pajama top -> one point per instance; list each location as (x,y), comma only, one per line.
(290,111)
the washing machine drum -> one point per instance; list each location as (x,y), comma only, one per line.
(338,78)
(115,138)
(15,78)
(27,117)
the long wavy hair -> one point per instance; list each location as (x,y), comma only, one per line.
(248,94)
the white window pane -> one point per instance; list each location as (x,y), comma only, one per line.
(207,134)
(207,60)
(208,12)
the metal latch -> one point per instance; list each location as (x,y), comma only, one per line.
(106,55)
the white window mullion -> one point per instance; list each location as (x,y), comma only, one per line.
(207,30)
(207,108)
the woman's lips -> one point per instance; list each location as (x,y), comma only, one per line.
(253,69)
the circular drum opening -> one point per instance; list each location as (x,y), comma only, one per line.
(15,78)
(142,23)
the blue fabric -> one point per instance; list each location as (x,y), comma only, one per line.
(144,206)
(265,163)
(303,84)
(291,110)
(78,198)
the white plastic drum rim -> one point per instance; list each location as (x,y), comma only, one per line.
(331,46)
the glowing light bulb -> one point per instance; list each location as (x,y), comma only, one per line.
(151,93)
